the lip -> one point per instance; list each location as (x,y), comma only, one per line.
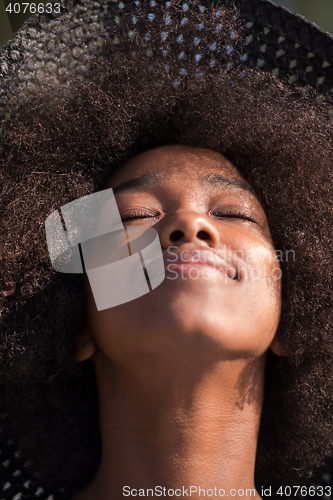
(186,260)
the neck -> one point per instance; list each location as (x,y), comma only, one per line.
(171,427)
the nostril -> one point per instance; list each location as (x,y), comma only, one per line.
(232,273)
(176,235)
(203,235)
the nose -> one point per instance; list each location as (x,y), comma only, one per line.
(189,227)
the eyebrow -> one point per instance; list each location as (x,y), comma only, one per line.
(152,178)
(225,182)
(145,180)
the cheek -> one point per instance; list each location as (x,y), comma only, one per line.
(261,264)
(261,276)
(113,330)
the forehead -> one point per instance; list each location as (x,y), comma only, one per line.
(176,160)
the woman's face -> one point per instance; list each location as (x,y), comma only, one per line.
(222,285)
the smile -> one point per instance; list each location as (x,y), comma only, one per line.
(198,263)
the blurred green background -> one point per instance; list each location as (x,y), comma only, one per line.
(319,12)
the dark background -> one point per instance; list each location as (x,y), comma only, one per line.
(319,12)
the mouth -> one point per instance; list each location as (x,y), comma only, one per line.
(195,263)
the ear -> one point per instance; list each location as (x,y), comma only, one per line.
(278,349)
(85,347)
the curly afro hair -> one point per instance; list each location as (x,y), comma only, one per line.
(65,141)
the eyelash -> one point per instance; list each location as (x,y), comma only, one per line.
(138,215)
(235,214)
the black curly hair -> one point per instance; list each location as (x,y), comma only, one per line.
(65,141)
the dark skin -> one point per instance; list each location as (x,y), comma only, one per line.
(180,370)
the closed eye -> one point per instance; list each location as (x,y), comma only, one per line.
(138,214)
(233,214)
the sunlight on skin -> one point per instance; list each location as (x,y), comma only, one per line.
(180,370)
